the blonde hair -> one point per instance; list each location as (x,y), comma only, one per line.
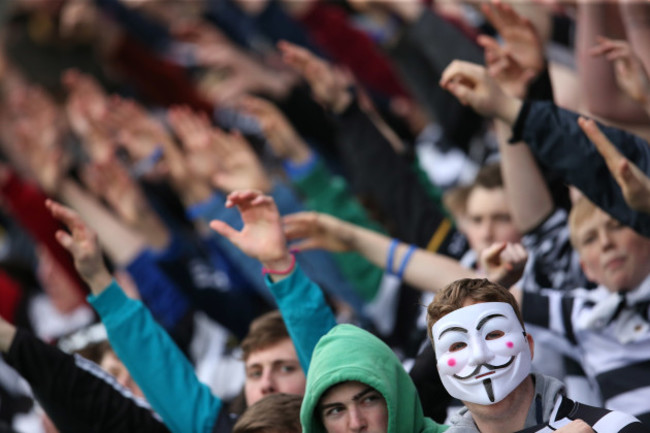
(581,210)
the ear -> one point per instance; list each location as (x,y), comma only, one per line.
(531,345)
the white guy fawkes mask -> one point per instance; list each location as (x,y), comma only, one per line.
(482,352)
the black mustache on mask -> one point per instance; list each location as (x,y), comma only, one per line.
(488,366)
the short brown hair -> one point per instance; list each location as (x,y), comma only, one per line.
(582,209)
(489,177)
(95,352)
(452,297)
(273,413)
(264,331)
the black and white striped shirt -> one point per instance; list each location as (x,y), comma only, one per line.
(621,369)
(601,420)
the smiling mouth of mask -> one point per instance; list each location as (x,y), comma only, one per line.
(490,367)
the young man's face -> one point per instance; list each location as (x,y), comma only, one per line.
(353,407)
(488,219)
(612,254)
(272,370)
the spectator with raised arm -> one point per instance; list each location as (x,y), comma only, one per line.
(547,130)
(75,393)
(271,362)
(611,254)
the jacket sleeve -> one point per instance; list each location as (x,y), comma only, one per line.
(560,146)
(305,312)
(157,365)
(376,170)
(76,394)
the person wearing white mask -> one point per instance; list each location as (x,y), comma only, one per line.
(484,359)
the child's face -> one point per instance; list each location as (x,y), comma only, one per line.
(612,254)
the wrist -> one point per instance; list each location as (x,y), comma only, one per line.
(281,262)
(99,282)
(279,269)
(509,110)
(300,153)
(7,334)
(342,102)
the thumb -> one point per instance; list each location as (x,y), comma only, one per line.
(224,229)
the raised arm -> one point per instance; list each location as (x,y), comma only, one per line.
(598,79)
(368,156)
(75,393)
(634,183)
(185,404)
(631,73)
(514,65)
(301,302)
(422,269)
(321,189)
(554,137)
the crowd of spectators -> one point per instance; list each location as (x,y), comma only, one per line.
(210,208)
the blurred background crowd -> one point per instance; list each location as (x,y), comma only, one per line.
(142,115)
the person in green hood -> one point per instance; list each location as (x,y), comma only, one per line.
(357,384)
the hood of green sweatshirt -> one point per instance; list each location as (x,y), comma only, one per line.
(348,353)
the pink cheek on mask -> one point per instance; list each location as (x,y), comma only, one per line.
(510,344)
(451,362)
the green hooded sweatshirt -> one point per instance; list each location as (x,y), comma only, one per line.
(348,353)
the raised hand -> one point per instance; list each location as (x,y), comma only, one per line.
(631,75)
(521,40)
(239,166)
(197,137)
(504,262)
(86,99)
(111,181)
(261,237)
(33,138)
(317,231)
(521,57)
(135,129)
(282,137)
(239,73)
(82,243)
(473,86)
(634,183)
(329,85)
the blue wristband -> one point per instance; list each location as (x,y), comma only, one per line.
(391,255)
(405,261)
